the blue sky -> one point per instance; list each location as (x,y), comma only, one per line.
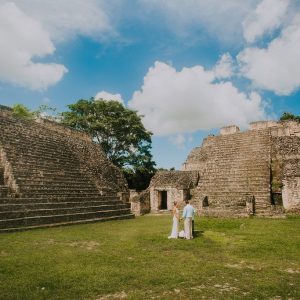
(190,67)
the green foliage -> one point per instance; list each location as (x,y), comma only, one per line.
(46,112)
(289,116)
(276,185)
(254,258)
(119,131)
(140,178)
(21,111)
(43,111)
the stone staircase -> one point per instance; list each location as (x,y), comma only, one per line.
(233,167)
(50,186)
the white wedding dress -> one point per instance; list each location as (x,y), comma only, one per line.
(175,227)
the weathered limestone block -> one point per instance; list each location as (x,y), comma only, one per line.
(291,193)
(229,130)
(263,125)
(140,202)
(8,176)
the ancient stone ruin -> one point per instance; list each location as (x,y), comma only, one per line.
(255,172)
(169,186)
(51,175)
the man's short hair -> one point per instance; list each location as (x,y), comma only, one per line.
(187,201)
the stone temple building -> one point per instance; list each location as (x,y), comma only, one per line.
(51,175)
(238,173)
(169,186)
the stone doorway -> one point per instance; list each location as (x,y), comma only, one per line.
(163,197)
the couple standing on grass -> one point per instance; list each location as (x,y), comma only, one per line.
(188,217)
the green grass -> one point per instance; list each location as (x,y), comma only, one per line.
(133,259)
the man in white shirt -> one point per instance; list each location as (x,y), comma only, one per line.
(188,215)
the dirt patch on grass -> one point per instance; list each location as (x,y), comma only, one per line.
(243,265)
(87,245)
(3,254)
(120,295)
(292,271)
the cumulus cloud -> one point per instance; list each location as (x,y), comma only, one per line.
(22,39)
(188,100)
(224,67)
(108,96)
(267,16)
(277,67)
(220,18)
(64,19)
(29,29)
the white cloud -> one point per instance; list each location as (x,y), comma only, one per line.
(220,18)
(267,16)
(108,96)
(189,100)
(224,67)
(64,19)
(276,67)
(21,40)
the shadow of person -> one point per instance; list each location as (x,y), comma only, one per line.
(198,233)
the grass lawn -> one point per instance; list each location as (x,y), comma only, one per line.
(133,259)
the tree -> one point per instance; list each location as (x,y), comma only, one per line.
(289,116)
(121,134)
(46,112)
(21,111)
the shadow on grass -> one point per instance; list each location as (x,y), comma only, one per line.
(198,233)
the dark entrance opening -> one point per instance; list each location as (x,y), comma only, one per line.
(205,202)
(164,200)
(276,198)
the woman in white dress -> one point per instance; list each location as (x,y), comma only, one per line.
(175,227)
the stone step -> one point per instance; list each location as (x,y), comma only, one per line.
(39,220)
(23,173)
(86,221)
(52,188)
(46,170)
(62,156)
(15,214)
(57,176)
(38,156)
(44,164)
(14,206)
(27,180)
(219,191)
(39,148)
(233,181)
(38,153)
(52,195)
(55,180)
(58,184)
(63,198)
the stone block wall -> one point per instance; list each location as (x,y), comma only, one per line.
(232,168)
(260,164)
(173,194)
(286,163)
(263,125)
(229,130)
(140,202)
